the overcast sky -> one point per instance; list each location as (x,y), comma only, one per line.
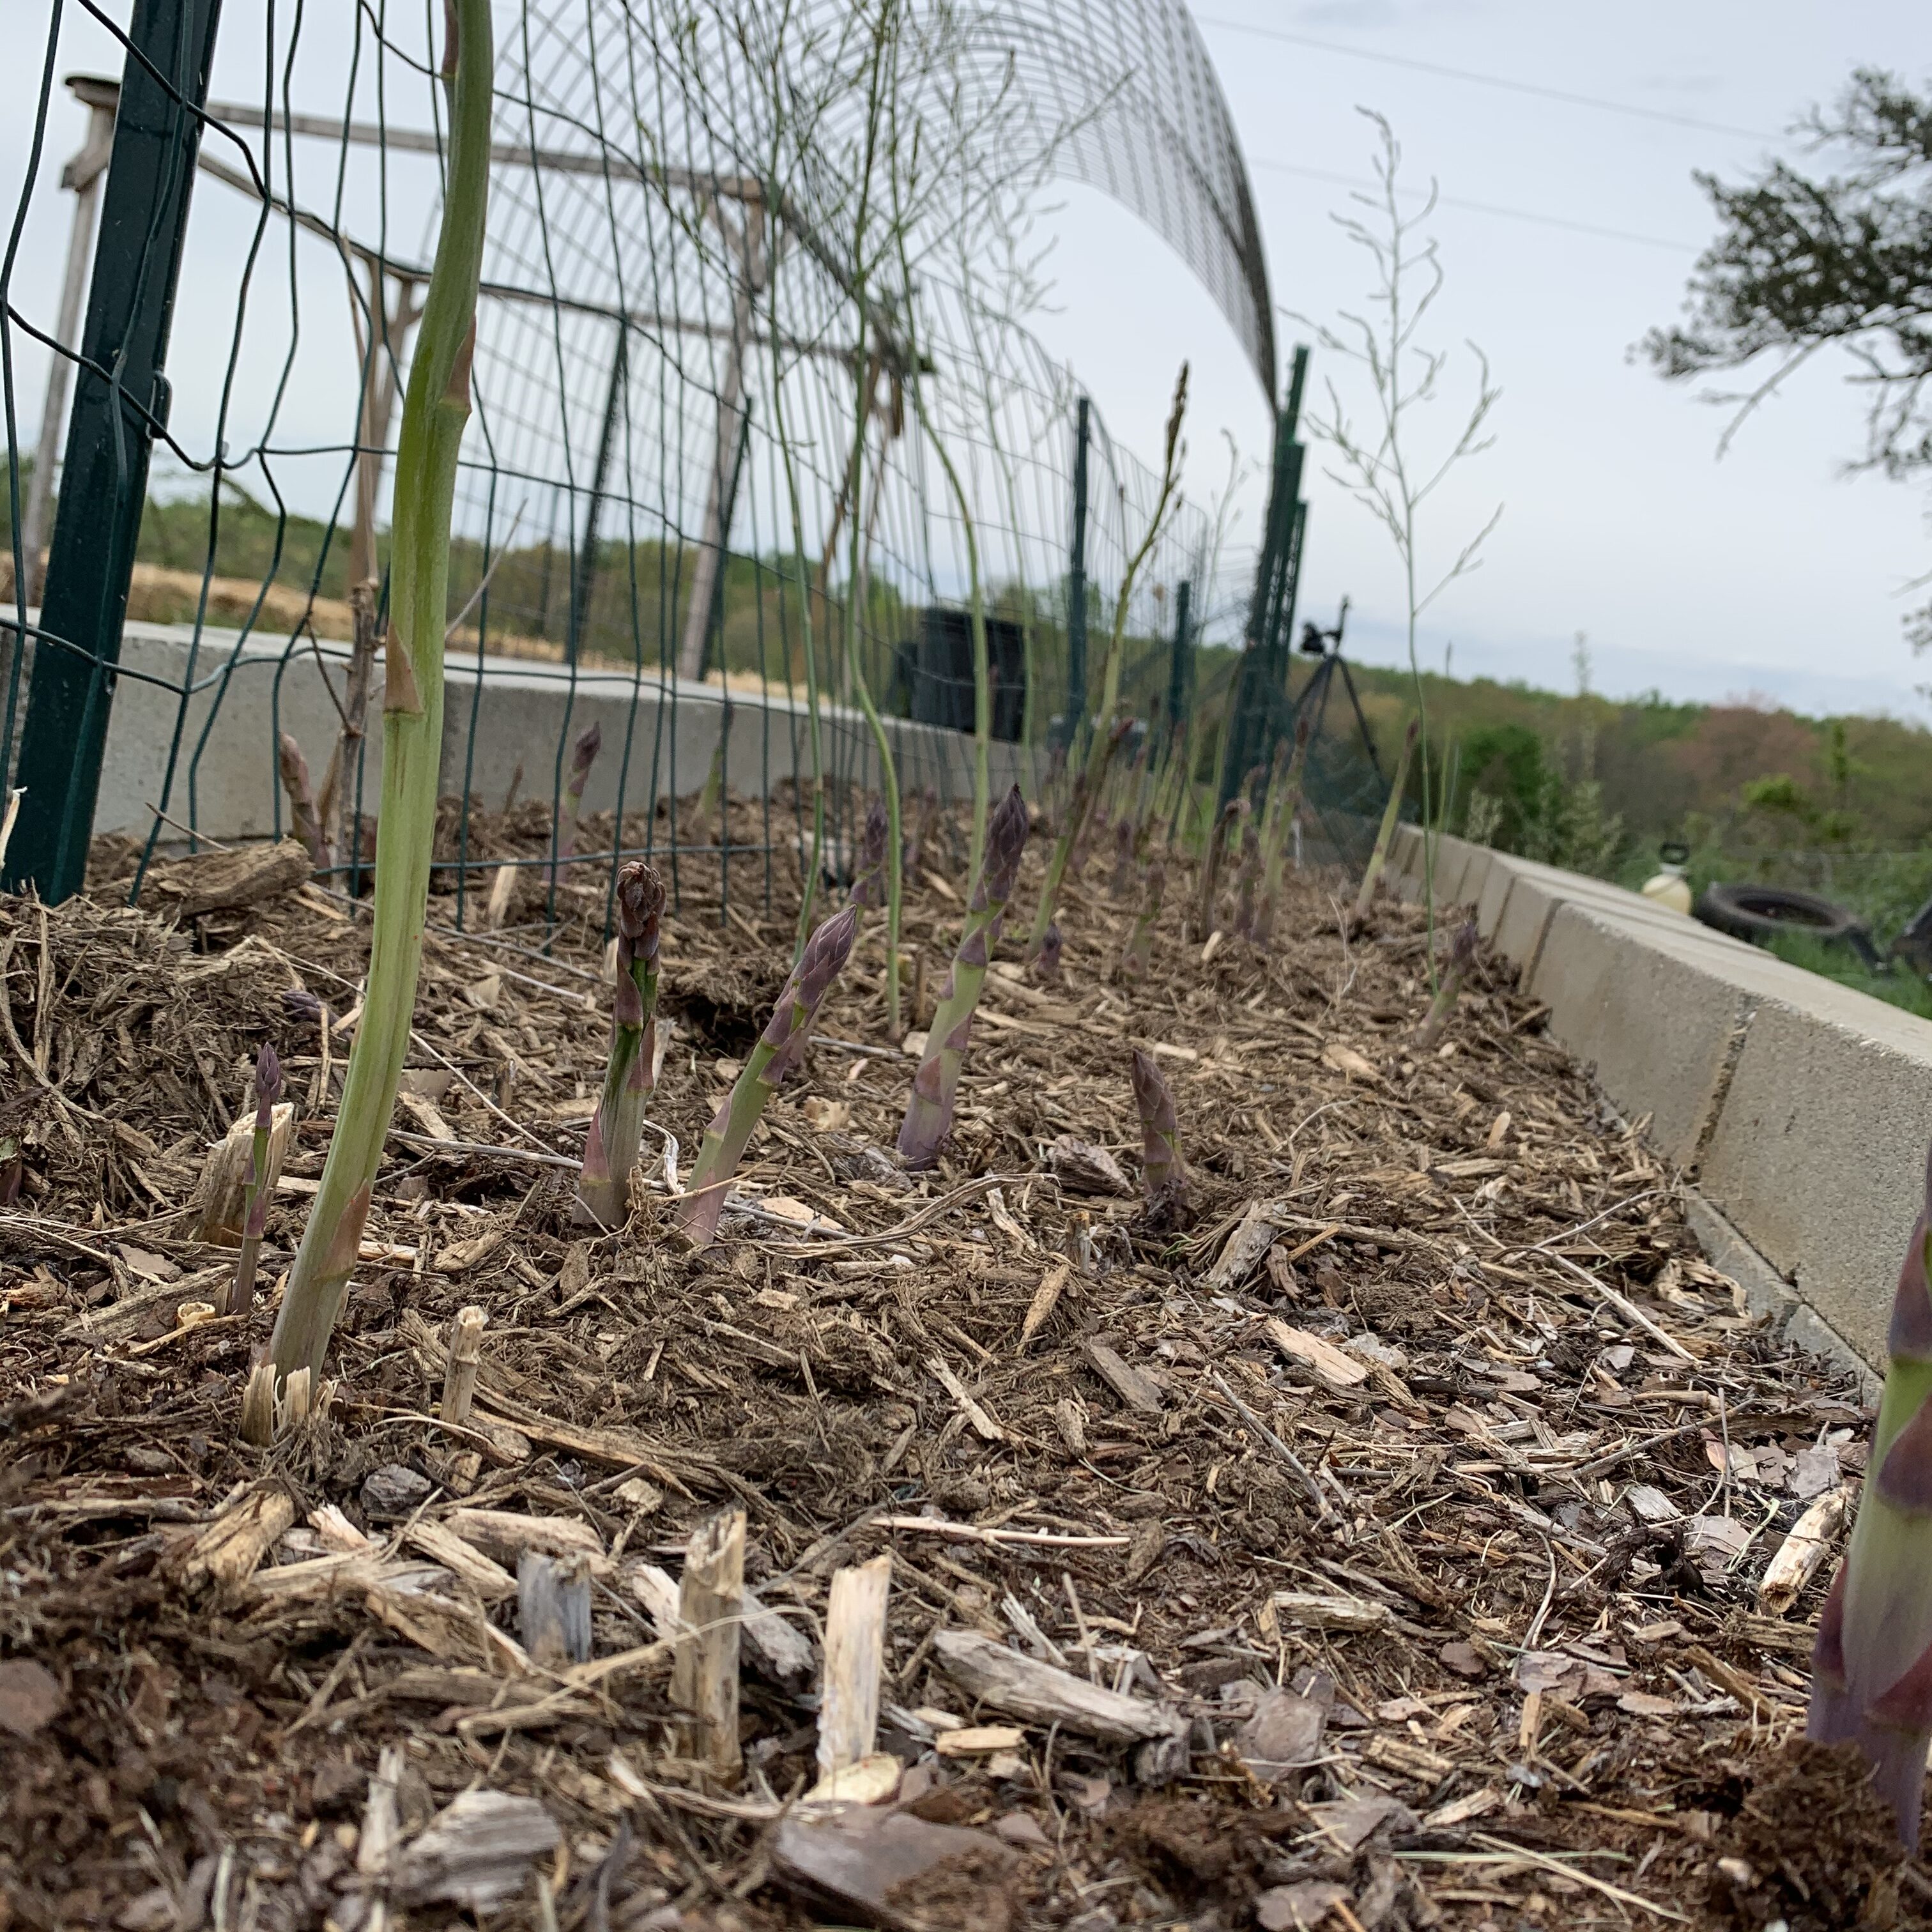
(1770,572)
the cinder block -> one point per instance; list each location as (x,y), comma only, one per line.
(1818,1153)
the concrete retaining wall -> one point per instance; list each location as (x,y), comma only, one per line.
(1798,1111)
(658,738)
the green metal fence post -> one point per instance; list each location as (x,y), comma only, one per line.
(120,404)
(1076,584)
(1180,664)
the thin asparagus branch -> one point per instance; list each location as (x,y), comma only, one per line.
(436,409)
(610,1147)
(303,813)
(1391,813)
(1461,957)
(780,1048)
(255,1198)
(1872,1667)
(1134,962)
(1105,740)
(928,1117)
(1164,1176)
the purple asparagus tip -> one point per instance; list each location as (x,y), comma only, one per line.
(300,1005)
(268,1077)
(1005,840)
(1051,942)
(640,900)
(868,888)
(583,753)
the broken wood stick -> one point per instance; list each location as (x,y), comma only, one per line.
(1025,1687)
(466,1353)
(704,1673)
(855,1646)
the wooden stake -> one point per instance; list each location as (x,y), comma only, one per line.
(855,1644)
(704,1672)
(466,1354)
(221,1200)
(502,888)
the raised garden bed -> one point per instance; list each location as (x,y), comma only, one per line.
(1416,1497)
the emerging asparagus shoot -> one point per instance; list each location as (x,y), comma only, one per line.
(928,1117)
(1046,962)
(610,1149)
(1135,960)
(1872,1667)
(1461,957)
(583,756)
(779,1049)
(868,881)
(1163,1173)
(1391,813)
(436,409)
(304,814)
(255,1200)
(1227,830)
(1277,823)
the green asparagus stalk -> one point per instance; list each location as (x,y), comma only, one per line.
(1134,962)
(303,812)
(928,1117)
(435,408)
(1872,1666)
(779,1049)
(1164,1178)
(1461,957)
(1227,830)
(610,1148)
(1085,786)
(255,1196)
(1284,797)
(1391,815)
(1247,883)
(1123,879)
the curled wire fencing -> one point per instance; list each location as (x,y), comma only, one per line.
(733,456)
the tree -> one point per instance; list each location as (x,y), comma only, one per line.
(1803,263)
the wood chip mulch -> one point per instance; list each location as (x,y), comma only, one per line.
(1417,1495)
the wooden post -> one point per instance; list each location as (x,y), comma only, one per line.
(704,1672)
(855,1645)
(465,1354)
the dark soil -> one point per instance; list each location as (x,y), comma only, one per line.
(1554,1521)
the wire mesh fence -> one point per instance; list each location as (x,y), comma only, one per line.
(756,412)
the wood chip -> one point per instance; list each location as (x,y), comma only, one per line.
(1340,1371)
(1037,1692)
(1139,1391)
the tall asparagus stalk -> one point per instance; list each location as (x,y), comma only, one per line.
(583,756)
(1461,957)
(1227,823)
(610,1148)
(1105,740)
(868,881)
(1164,1178)
(1872,1667)
(435,408)
(255,1197)
(928,1117)
(779,1049)
(1391,815)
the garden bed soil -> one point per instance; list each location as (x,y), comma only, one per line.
(1422,1484)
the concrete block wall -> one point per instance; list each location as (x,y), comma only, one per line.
(1798,1111)
(657,739)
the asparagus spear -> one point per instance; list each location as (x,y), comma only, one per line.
(1872,1667)
(868,886)
(1227,829)
(255,1198)
(1046,963)
(302,810)
(583,756)
(1163,1173)
(611,1150)
(928,1117)
(435,408)
(1278,819)
(1391,813)
(1140,941)
(779,1049)
(1461,957)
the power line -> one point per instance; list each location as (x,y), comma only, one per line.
(1481,207)
(1486,80)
